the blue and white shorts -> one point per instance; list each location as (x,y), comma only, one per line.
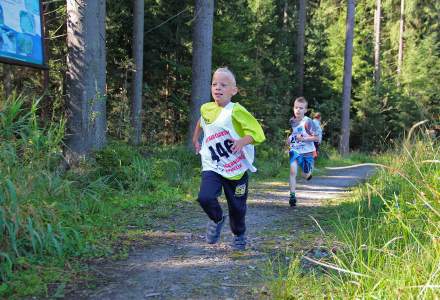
(305,161)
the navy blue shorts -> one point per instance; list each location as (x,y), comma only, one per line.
(236,192)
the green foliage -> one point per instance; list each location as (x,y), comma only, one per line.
(48,220)
(256,39)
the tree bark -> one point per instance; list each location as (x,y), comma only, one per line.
(344,146)
(46,105)
(285,15)
(300,45)
(401,32)
(86,77)
(138,51)
(377,21)
(201,60)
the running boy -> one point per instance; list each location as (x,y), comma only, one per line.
(227,152)
(301,145)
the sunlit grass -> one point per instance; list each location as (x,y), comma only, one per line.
(49,219)
(385,241)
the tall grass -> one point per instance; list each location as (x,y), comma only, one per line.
(388,240)
(48,219)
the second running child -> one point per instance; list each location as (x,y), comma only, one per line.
(301,145)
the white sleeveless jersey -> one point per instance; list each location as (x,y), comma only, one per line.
(300,129)
(216,153)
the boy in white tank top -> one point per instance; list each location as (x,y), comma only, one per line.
(227,152)
(301,145)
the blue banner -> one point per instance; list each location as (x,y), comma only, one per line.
(21,39)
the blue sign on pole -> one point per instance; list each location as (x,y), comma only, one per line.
(21,34)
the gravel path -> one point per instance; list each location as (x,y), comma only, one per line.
(178,264)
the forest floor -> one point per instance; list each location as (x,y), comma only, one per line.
(173,261)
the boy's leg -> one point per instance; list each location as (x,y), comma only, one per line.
(292,177)
(210,189)
(315,153)
(306,163)
(236,192)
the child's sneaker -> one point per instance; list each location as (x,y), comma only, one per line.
(309,177)
(239,242)
(292,200)
(213,230)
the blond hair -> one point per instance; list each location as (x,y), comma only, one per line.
(227,71)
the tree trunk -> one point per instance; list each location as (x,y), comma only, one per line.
(300,46)
(344,145)
(46,105)
(285,14)
(86,75)
(401,32)
(377,21)
(138,51)
(201,59)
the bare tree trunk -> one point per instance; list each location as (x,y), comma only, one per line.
(86,75)
(401,32)
(201,61)
(377,21)
(344,146)
(46,105)
(138,52)
(285,14)
(300,45)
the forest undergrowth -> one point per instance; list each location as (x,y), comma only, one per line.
(53,222)
(384,242)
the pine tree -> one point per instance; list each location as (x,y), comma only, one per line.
(202,59)
(86,77)
(346,92)
(138,50)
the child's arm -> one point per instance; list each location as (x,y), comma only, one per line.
(313,136)
(247,127)
(238,145)
(196,136)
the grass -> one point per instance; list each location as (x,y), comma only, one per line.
(51,224)
(385,239)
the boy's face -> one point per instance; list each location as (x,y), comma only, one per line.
(223,88)
(299,110)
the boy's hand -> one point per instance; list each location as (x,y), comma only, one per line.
(197,146)
(288,141)
(238,145)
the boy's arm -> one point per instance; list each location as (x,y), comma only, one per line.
(313,136)
(238,145)
(288,140)
(247,126)
(196,136)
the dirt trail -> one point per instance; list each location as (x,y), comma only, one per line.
(178,264)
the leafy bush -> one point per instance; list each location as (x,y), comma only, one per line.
(47,219)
